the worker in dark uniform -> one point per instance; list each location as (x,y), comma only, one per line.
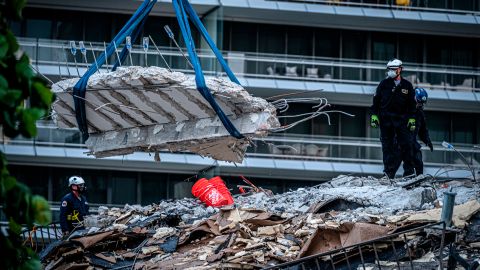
(394,109)
(74,206)
(421,131)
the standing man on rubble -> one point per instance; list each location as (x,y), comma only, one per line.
(421,131)
(74,206)
(394,109)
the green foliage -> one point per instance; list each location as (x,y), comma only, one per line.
(24,98)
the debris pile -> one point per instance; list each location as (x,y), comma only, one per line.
(263,230)
(151,109)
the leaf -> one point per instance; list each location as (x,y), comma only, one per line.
(9,182)
(17,202)
(45,94)
(28,127)
(9,120)
(12,42)
(11,98)
(3,46)
(41,210)
(14,226)
(31,264)
(15,8)
(23,69)
(3,83)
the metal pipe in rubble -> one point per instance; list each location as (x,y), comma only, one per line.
(462,157)
(447,208)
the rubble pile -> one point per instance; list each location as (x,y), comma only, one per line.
(151,109)
(263,230)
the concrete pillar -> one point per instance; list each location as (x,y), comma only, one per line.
(213,22)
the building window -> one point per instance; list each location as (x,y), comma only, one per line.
(271,39)
(154,187)
(354,44)
(438,124)
(383,46)
(124,188)
(243,37)
(410,48)
(38,28)
(327,42)
(299,40)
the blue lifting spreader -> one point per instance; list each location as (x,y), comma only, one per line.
(132,28)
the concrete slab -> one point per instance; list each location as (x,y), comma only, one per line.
(457,18)
(77,153)
(434,16)
(346,167)
(46,151)
(19,150)
(235,3)
(369,90)
(351,11)
(348,88)
(172,158)
(289,6)
(406,15)
(261,83)
(316,8)
(151,109)
(460,95)
(327,87)
(375,12)
(262,4)
(290,84)
(371,169)
(195,159)
(204,2)
(318,166)
(437,94)
(477,96)
(260,163)
(289,164)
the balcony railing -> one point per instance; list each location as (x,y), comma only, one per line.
(56,56)
(292,147)
(443,6)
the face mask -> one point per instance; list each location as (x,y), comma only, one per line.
(392,73)
(80,188)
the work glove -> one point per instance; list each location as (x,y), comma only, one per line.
(374,122)
(411,124)
(430,145)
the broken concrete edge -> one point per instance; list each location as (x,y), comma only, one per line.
(166,97)
(206,137)
(151,109)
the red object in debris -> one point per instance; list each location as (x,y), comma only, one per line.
(220,185)
(241,190)
(208,193)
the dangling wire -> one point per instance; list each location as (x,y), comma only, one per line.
(283,105)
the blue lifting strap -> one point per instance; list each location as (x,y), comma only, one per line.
(182,7)
(134,25)
(79,90)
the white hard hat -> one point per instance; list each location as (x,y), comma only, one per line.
(394,63)
(75,180)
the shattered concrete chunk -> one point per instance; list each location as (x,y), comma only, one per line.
(255,234)
(151,109)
